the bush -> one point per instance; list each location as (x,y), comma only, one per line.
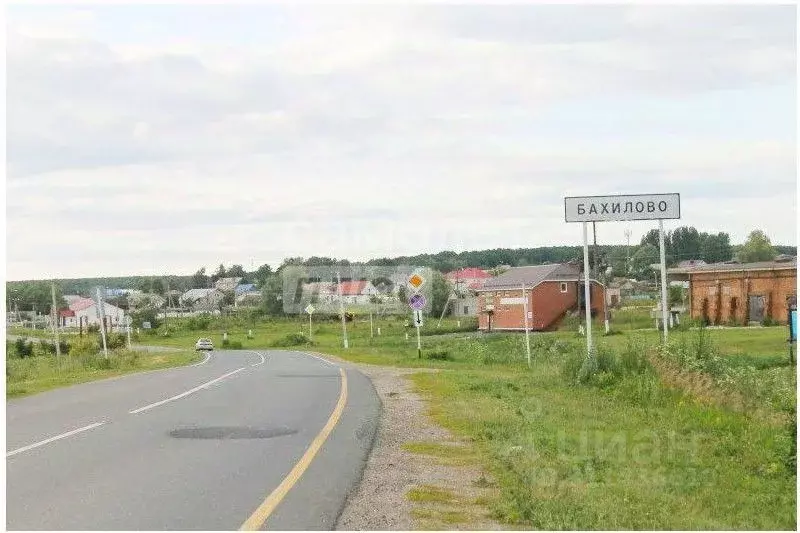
(93,328)
(231,345)
(199,323)
(115,340)
(292,339)
(83,346)
(23,348)
(439,355)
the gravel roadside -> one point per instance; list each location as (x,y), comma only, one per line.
(381,501)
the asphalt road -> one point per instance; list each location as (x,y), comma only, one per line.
(193,448)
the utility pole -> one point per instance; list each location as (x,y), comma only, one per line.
(55,321)
(627,252)
(102,316)
(341,308)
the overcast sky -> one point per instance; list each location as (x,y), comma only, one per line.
(153,139)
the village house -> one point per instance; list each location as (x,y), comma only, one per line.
(247,295)
(84,312)
(227,284)
(357,292)
(202,299)
(552,291)
(740,293)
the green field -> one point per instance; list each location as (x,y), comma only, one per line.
(699,436)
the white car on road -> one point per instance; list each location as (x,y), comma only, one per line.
(204,344)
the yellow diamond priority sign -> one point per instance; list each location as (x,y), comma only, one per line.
(416,281)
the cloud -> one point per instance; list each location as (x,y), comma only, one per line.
(221,138)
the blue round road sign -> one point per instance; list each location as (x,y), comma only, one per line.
(417,301)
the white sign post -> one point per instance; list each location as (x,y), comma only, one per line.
(418,324)
(310,310)
(527,337)
(620,208)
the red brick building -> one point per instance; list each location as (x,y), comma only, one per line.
(740,293)
(552,291)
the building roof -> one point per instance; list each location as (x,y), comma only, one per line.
(320,287)
(531,276)
(195,294)
(80,305)
(731,266)
(245,287)
(353,288)
(691,262)
(228,284)
(467,273)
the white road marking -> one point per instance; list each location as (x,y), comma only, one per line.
(208,356)
(52,439)
(184,394)
(261,355)
(320,358)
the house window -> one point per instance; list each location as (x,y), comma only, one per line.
(563,287)
(466,310)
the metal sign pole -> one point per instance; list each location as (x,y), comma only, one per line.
(309,326)
(419,344)
(527,336)
(664,301)
(587,293)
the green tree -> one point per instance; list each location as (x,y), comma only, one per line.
(686,243)
(618,259)
(261,275)
(272,295)
(199,279)
(440,292)
(30,295)
(219,273)
(645,255)
(236,271)
(757,248)
(716,248)
(402,294)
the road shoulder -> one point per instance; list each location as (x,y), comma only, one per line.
(418,475)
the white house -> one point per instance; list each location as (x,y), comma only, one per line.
(202,299)
(85,312)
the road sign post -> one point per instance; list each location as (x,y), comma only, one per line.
(587,290)
(664,300)
(621,208)
(417,302)
(418,324)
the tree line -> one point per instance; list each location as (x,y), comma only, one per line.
(682,243)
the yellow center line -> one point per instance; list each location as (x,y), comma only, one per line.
(264,510)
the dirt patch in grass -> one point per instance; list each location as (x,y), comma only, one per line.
(418,475)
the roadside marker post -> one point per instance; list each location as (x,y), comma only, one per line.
(310,310)
(587,209)
(341,308)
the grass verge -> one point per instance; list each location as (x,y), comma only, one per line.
(32,375)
